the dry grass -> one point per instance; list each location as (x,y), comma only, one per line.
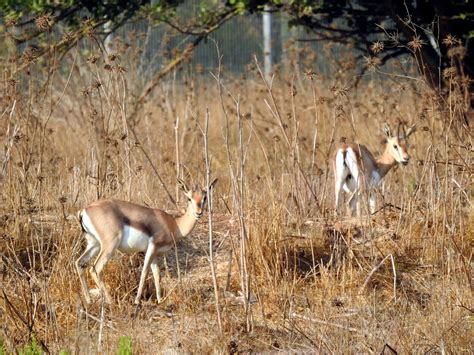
(316,282)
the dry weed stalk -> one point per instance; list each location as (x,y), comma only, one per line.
(294,296)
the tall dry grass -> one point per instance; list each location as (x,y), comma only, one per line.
(290,275)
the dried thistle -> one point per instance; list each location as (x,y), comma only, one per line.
(120,69)
(458,51)
(310,74)
(92,59)
(451,40)
(416,43)
(466,82)
(339,91)
(450,72)
(68,37)
(45,22)
(108,67)
(30,53)
(377,47)
(372,62)
(394,38)
(11,22)
(85,91)
(112,56)
(340,112)
(96,85)
(88,27)
(293,91)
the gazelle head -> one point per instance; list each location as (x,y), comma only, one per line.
(196,197)
(397,145)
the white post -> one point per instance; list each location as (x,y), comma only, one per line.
(267,43)
(108,37)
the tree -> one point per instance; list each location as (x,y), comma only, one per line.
(437,33)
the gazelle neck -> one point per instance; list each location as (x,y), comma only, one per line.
(385,162)
(186,222)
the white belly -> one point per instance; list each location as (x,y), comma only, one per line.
(133,240)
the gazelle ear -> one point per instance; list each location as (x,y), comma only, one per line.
(211,185)
(410,130)
(182,185)
(386,130)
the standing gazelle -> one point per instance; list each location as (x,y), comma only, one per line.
(112,224)
(356,170)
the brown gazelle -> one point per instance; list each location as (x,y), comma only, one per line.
(356,170)
(113,224)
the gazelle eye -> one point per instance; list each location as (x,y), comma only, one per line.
(395,146)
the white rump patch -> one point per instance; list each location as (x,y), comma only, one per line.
(340,166)
(92,236)
(133,240)
(351,161)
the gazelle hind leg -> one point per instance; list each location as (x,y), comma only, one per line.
(338,191)
(372,203)
(105,255)
(155,269)
(91,251)
(354,203)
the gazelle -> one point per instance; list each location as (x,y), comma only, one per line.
(113,224)
(356,170)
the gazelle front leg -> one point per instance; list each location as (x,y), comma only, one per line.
(149,256)
(155,268)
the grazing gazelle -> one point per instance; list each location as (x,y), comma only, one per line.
(356,170)
(112,224)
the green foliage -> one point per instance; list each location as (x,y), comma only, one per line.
(34,348)
(125,345)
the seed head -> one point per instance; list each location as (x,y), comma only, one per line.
(449,72)
(377,47)
(457,51)
(372,62)
(68,37)
(112,56)
(96,85)
(451,40)
(416,43)
(120,69)
(92,59)
(30,53)
(45,22)
(340,91)
(85,91)
(310,74)
(11,22)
